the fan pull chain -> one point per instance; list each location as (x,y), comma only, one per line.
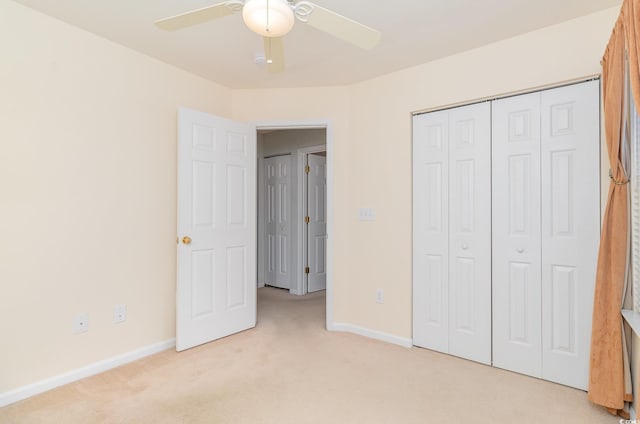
(267,28)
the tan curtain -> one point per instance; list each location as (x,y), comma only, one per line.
(609,379)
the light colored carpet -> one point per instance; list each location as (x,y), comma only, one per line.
(290,370)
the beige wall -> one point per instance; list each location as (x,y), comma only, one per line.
(88,173)
(372,156)
(87,194)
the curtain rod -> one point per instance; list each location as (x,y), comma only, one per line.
(565,83)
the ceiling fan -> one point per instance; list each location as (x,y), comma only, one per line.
(272,19)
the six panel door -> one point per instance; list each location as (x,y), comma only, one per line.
(216,287)
(278,221)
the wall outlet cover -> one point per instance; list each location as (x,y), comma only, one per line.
(119,313)
(81,323)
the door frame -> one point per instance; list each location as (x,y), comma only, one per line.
(328,127)
(301,157)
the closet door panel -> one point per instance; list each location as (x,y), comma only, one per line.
(570,150)
(516,234)
(470,232)
(430,232)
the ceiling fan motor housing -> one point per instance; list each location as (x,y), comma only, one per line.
(268,18)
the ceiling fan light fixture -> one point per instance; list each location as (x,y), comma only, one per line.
(268,18)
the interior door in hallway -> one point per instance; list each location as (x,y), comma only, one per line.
(278,221)
(317,222)
(216,287)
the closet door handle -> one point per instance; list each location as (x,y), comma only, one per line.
(520,250)
(465,246)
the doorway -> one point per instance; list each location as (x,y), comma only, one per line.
(217,270)
(292,208)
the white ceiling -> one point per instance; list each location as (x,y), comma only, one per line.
(413,32)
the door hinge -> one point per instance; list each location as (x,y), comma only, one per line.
(307,219)
(306,270)
(307,169)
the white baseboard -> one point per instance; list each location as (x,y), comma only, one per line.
(372,334)
(33,389)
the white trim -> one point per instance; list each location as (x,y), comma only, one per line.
(633,319)
(302,153)
(260,230)
(634,207)
(372,334)
(309,124)
(510,94)
(632,414)
(42,386)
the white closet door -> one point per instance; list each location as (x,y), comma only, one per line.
(517,344)
(470,232)
(431,231)
(278,222)
(570,228)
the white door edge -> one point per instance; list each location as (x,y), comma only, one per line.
(328,126)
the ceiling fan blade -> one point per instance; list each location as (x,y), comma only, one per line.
(274,54)
(344,28)
(194,17)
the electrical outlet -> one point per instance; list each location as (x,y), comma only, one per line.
(119,313)
(81,323)
(379,296)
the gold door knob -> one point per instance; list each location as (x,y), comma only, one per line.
(186,240)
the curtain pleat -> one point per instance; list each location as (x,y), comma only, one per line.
(610,378)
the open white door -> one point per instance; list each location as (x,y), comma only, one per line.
(317,223)
(216,290)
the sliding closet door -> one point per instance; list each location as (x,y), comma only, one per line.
(470,232)
(431,230)
(570,228)
(517,344)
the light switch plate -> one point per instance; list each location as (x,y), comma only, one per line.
(367,214)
